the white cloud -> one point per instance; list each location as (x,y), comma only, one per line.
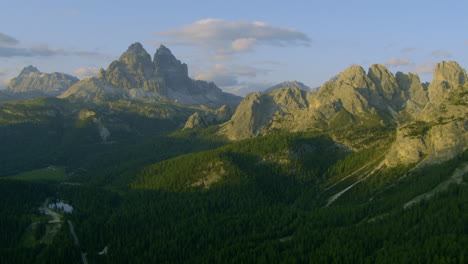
(86,72)
(244,88)
(441,53)
(230,37)
(3,71)
(8,40)
(424,68)
(397,62)
(243,44)
(9,48)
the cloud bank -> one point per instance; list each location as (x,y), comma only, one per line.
(232,37)
(424,68)
(393,62)
(86,72)
(441,53)
(9,47)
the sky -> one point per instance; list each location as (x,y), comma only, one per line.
(243,46)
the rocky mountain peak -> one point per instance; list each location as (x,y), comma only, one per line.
(285,84)
(447,77)
(136,76)
(451,72)
(29,69)
(166,63)
(163,50)
(136,55)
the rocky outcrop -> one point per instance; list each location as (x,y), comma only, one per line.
(428,142)
(95,90)
(440,129)
(32,83)
(209,117)
(260,114)
(136,76)
(287,84)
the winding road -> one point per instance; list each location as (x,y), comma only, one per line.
(57,219)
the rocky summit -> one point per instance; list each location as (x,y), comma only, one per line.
(32,83)
(288,84)
(135,76)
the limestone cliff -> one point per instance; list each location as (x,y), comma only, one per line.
(440,129)
(447,77)
(430,121)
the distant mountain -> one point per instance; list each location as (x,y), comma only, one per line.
(31,83)
(368,101)
(136,76)
(287,84)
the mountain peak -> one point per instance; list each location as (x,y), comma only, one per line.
(450,71)
(135,53)
(29,69)
(135,47)
(163,50)
(285,84)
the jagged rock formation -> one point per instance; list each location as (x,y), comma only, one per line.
(32,83)
(136,76)
(431,120)
(439,130)
(287,84)
(209,117)
(448,76)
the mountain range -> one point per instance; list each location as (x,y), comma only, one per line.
(370,168)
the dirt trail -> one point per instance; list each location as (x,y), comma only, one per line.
(57,219)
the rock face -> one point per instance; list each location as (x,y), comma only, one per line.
(287,84)
(260,114)
(447,77)
(440,129)
(32,83)
(136,76)
(428,142)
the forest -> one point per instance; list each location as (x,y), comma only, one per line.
(270,206)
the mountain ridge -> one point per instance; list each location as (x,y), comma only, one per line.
(376,95)
(32,83)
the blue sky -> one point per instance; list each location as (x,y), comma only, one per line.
(241,45)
